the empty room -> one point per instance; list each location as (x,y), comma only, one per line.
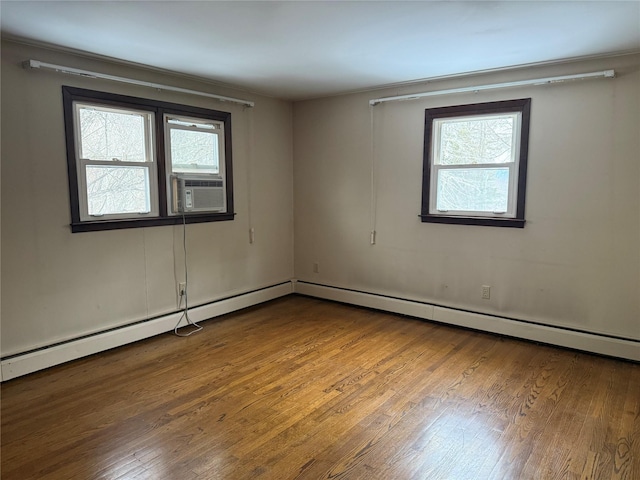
(320,239)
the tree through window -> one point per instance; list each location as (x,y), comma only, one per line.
(130,158)
(475,163)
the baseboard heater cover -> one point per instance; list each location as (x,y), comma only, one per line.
(562,337)
(23,364)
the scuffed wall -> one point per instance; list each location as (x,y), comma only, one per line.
(576,263)
(57,285)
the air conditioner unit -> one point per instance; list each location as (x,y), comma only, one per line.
(197,194)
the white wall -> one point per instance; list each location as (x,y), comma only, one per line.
(575,264)
(57,285)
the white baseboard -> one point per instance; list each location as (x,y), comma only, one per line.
(589,342)
(19,365)
(24,364)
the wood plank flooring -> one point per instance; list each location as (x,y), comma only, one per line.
(301,388)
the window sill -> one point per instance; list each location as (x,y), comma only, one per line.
(483,221)
(99,225)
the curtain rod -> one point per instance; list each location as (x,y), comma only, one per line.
(536,81)
(88,74)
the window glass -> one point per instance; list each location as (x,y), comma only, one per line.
(194,151)
(475,163)
(110,135)
(115,189)
(131,161)
(476,140)
(473,190)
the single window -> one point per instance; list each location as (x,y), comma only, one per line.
(475,163)
(116,163)
(132,161)
(195,173)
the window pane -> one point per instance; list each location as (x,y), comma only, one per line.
(117,189)
(194,151)
(476,140)
(473,189)
(106,135)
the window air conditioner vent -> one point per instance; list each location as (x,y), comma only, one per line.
(195,194)
(203,183)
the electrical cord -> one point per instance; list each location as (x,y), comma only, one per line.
(185,312)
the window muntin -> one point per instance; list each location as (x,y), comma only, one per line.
(475,163)
(119,168)
(115,162)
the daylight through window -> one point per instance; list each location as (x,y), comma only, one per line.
(117,167)
(475,163)
(137,162)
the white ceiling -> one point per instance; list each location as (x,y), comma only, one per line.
(304,49)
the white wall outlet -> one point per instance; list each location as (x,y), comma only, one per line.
(316,267)
(182,289)
(486,292)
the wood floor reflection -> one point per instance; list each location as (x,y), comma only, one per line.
(301,388)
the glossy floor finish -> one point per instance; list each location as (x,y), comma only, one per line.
(300,388)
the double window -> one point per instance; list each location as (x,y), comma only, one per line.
(475,163)
(136,162)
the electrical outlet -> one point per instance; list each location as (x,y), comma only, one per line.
(182,289)
(316,267)
(486,292)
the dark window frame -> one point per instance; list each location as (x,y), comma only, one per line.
(159,108)
(506,106)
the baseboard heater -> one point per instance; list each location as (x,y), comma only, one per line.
(608,345)
(29,362)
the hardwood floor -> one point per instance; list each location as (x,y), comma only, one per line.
(300,388)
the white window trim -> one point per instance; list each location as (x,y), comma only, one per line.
(83,163)
(516,200)
(218,130)
(513,166)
